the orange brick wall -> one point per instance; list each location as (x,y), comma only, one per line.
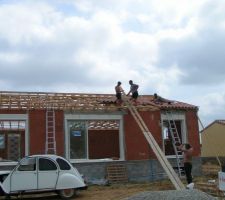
(37,132)
(192,131)
(137,148)
(37,127)
(60,137)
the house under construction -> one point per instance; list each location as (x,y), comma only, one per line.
(92,131)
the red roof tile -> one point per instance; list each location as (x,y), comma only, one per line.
(148,100)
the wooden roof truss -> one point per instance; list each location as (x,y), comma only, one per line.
(57,101)
(65,101)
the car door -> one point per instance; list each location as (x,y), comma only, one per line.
(24,177)
(47,173)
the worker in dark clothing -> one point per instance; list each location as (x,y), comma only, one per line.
(119,91)
(133,91)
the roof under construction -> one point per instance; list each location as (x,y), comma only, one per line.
(80,102)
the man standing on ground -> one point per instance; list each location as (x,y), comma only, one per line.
(133,90)
(119,91)
(188,152)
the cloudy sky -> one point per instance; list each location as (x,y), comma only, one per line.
(175,48)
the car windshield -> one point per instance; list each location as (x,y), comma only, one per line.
(27,164)
(27,161)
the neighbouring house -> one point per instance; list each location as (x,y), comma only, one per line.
(213,137)
(91,131)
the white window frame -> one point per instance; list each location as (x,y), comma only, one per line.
(175,116)
(23,117)
(93,117)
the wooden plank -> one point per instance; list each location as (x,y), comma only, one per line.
(210,188)
(209,169)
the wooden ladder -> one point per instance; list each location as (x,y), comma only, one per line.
(50,143)
(155,147)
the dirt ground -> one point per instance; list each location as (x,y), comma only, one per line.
(121,191)
(113,192)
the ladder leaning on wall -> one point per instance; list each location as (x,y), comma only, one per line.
(155,147)
(50,142)
(176,141)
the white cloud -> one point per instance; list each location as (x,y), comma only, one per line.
(212,103)
(12,57)
(23,24)
(87,46)
(212,106)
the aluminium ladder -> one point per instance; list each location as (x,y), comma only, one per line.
(176,141)
(155,147)
(50,143)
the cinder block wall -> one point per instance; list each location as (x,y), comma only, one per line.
(138,171)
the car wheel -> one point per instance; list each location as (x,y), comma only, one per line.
(67,193)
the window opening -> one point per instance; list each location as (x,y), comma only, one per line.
(94,139)
(12,139)
(78,139)
(167,138)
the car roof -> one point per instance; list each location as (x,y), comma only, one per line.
(52,156)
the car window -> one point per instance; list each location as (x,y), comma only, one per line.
(27,164)
(46,165)
(63,164)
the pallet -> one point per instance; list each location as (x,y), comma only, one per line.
(210,188)
(210,170)
(117,173)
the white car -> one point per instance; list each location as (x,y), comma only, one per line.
(42,173)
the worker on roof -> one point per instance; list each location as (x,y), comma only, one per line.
(133,90)
(119,90)
(159,100)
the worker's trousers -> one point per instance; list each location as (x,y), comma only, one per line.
(187,169)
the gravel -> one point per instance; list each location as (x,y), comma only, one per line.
(172,195)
